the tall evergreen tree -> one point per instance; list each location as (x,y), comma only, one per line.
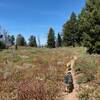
(51,38)
(89,23)
(20,40)
(35,43)
(70,30)
(82,27)
(59,40)
(32,41)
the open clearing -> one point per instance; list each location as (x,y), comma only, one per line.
(37,73)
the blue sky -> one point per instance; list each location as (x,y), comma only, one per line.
(35,17)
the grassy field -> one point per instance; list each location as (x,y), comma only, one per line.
(32,73)
(87,69)
(38,73)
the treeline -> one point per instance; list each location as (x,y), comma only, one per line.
(81,30)
(9,40)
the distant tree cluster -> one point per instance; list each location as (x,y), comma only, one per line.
(6,40)
(81,30)
(89,26)
(52,42)
(32,41)
(20,41)
(84,30)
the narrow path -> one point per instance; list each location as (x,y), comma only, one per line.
(72,96)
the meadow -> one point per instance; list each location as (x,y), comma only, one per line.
(38,73)
(29,73)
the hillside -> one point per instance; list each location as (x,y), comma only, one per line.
(38,73)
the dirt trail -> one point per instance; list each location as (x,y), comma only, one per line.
(72,96)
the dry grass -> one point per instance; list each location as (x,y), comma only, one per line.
(88,76)
(33,73)
(38,73)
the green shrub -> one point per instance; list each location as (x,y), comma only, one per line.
(86,63)
(85,79)
(86,66)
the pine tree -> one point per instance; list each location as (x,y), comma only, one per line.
(32,41)
(70,30)
(59,40)
(20,40)
(51,38)
(86,40)
(89,23)
(35,43)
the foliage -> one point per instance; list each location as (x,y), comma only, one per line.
(59,40)
(20,40)
(51,38)
(70,30)
(32,41)
(88,77)
(86,66)
(97,47)
(89,23)
(84,30)
(85,78)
